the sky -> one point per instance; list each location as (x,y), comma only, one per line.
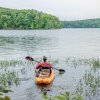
(63,9)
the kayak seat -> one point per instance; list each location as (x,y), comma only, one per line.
(45,71)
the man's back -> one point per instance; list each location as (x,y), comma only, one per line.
(43,64)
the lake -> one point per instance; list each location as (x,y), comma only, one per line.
(75,50)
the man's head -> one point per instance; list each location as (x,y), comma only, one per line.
(44,58)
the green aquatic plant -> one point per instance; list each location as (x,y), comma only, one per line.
(7,79)
(95,63)
(89,85)
(1,93)
(47,98)
(5,40)
(75,62)
(78,98)
(9,76)
(5,98)
(7,63)
(63,96)
(79,89)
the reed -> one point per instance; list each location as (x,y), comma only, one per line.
(63,96)
(7,63)
(89,85)
(93,62)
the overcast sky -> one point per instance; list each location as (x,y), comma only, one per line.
(64,9)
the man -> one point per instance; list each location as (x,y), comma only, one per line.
(43,65)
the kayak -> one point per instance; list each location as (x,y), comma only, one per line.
(45,79)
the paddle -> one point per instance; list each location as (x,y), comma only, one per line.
(31,59)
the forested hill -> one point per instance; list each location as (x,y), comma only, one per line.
(27,19)
(89,23)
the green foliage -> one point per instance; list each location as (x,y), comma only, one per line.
(47,98)
(64,96)
(27,19)
(5,98)
(77,98)
(89,23)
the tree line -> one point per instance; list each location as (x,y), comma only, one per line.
(89,23)
(27,19)
(33,19)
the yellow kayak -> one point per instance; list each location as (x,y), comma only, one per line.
(45,79)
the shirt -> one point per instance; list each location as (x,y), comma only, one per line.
(43,64)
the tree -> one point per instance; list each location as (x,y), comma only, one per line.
(27,19)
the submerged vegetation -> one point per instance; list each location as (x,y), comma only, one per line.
(7,63)
(7,79)
(4,40)
(63,96)
(75,62)
(87,87)
(9,76)
(13,71)
(27,19)
(5,98)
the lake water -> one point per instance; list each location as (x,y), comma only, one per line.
(75,50)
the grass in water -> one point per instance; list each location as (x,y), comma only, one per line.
(63,96)
(93,62)
(7,63)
